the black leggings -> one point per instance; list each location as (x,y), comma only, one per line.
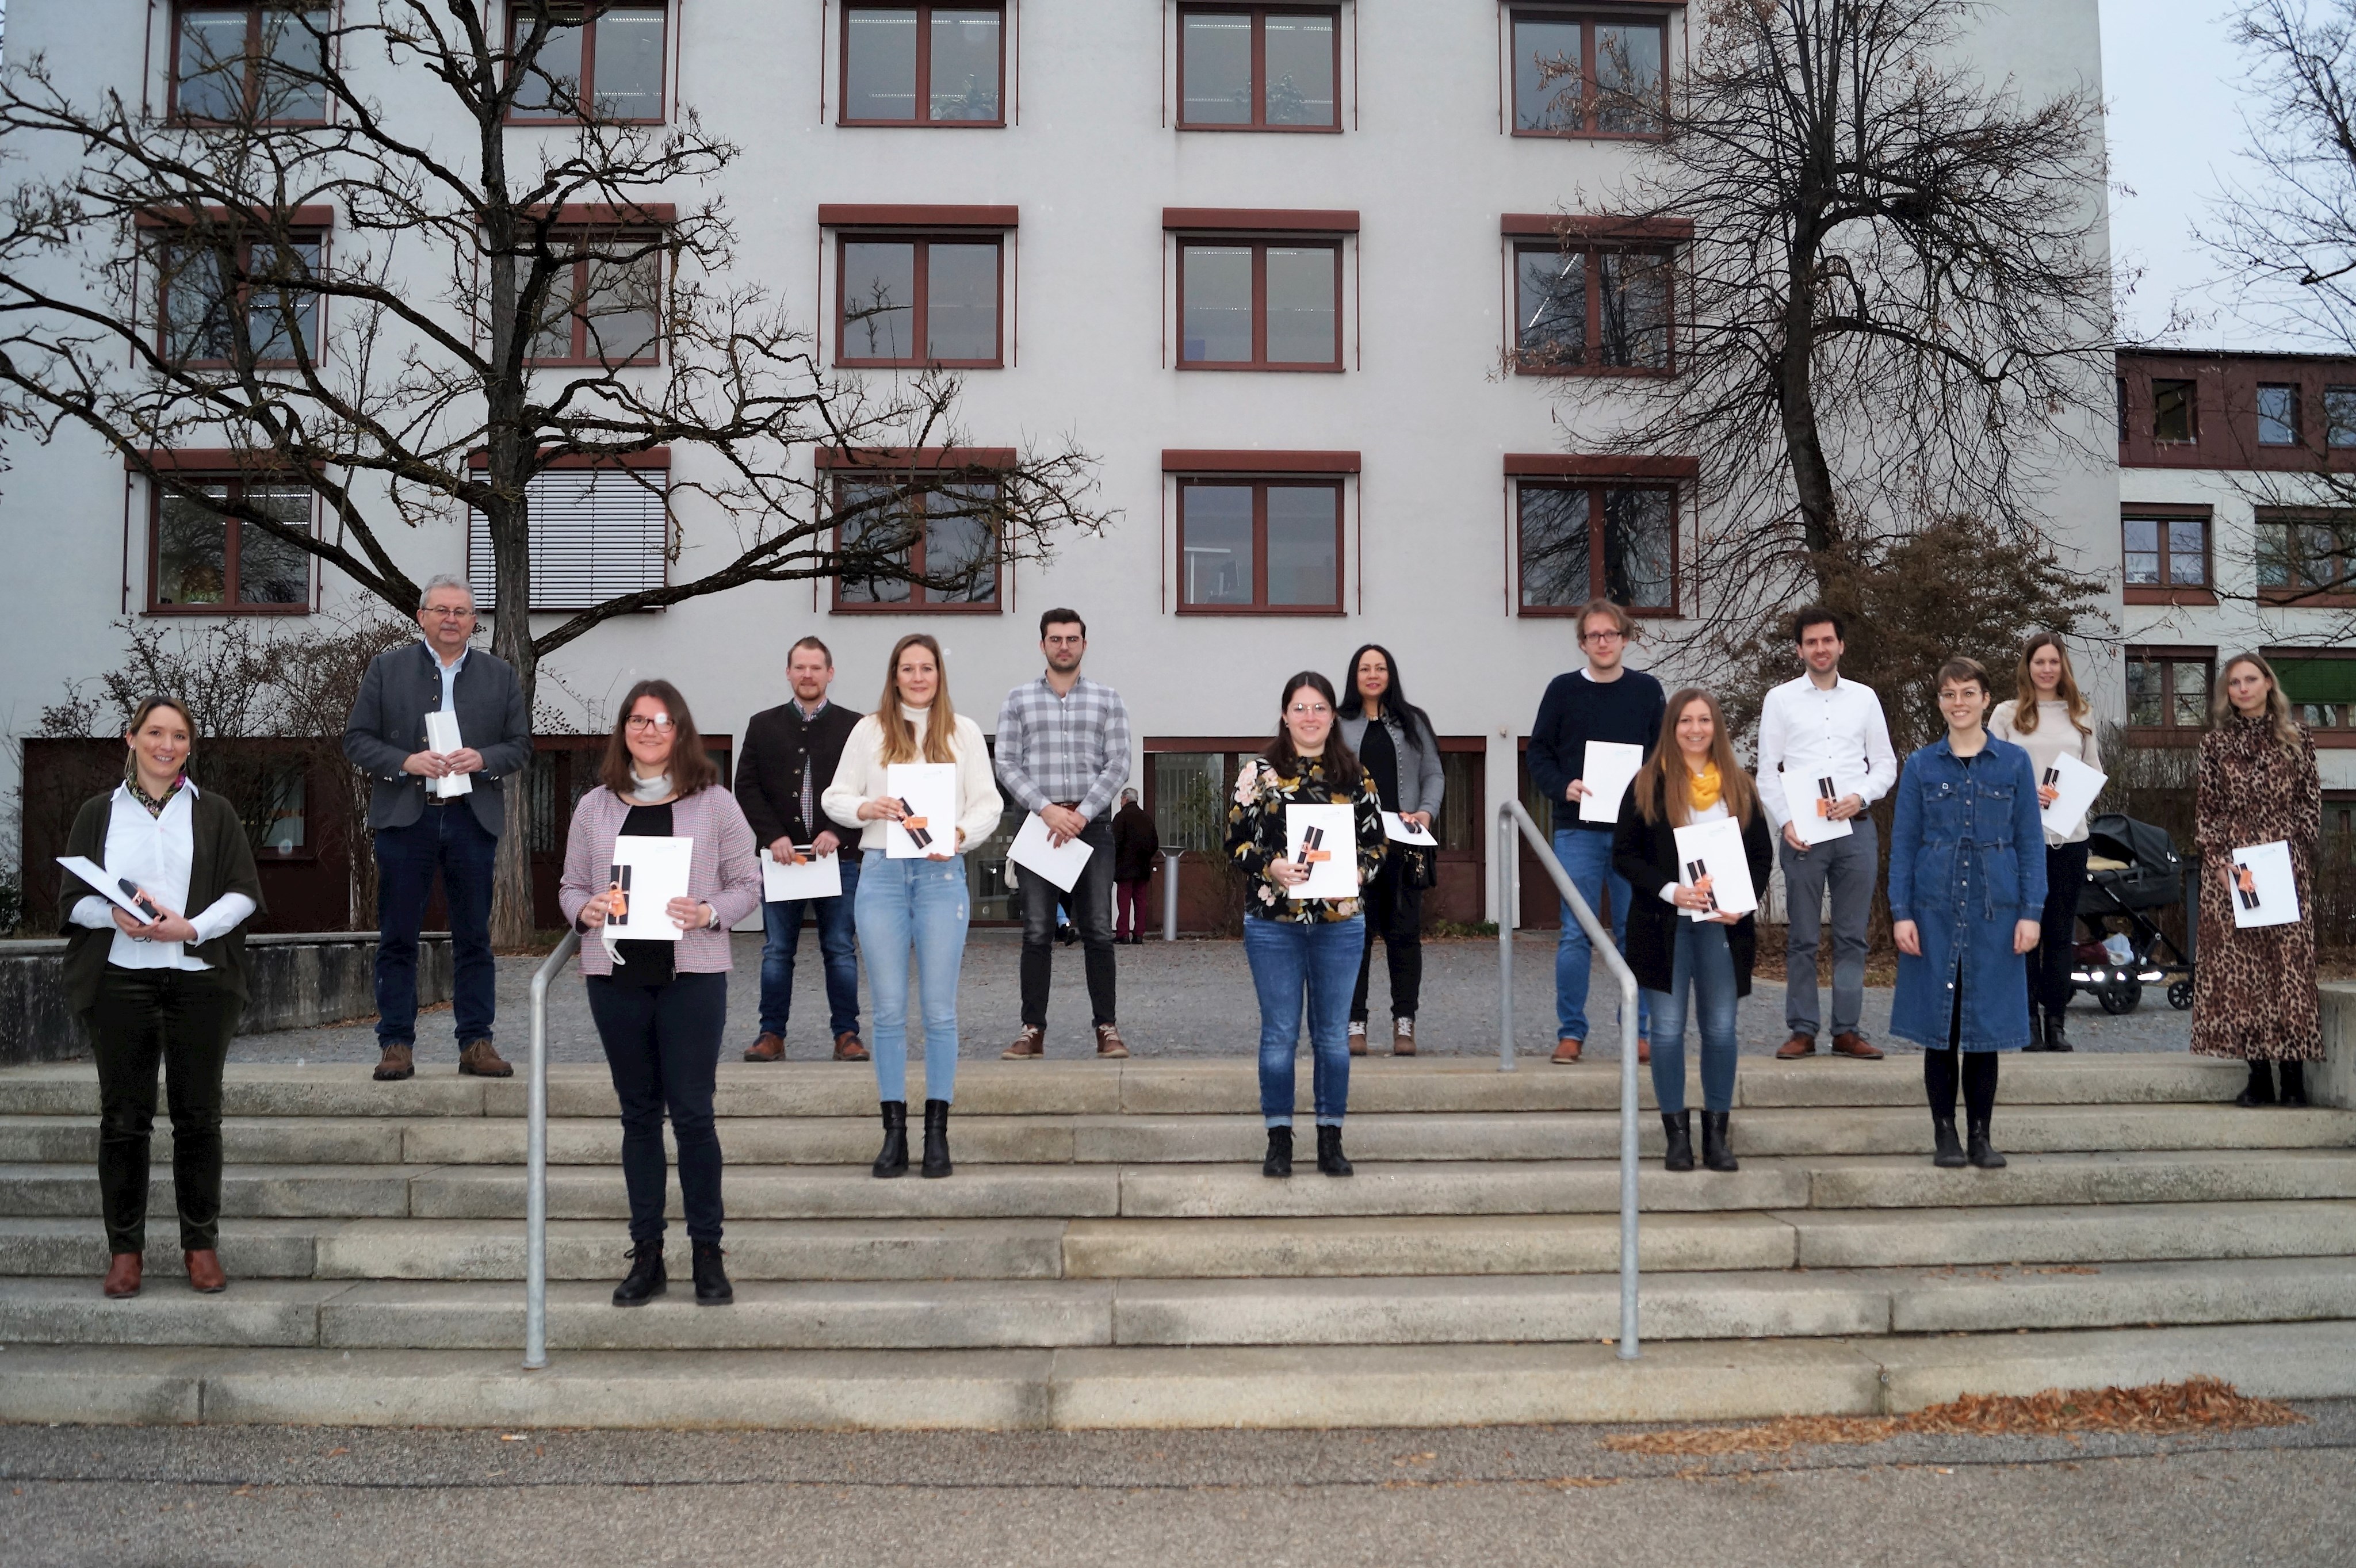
(1977,1069)
(1395,917)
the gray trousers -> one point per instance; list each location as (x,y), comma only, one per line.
(1848,867)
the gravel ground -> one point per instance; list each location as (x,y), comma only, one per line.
(1182,999)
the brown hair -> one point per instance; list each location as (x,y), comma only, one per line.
(2220,703)
(940,726)
(1618,615)
(824,652)
(147,706)
(691,769)
(1342,765)
(2024,702)
(1958,670)
(1663,785)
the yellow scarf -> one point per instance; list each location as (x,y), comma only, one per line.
(1701,788)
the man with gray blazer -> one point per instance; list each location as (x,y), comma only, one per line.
(421,827)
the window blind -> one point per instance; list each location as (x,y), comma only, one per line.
(596,533)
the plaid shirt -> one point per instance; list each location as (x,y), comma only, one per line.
(1054,748)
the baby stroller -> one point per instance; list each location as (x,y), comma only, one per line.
(2132,870)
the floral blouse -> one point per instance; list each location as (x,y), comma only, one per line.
(1256,835)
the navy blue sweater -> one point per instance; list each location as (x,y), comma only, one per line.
(1576,710)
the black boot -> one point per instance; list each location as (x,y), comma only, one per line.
(1983,1152)
(647,1280)
(1717,1141)
(1279,1162)
(1679,1128)
(937,1139)
(2057,1037)
(2294,1084)
(893,1160)
(1950,1155)
(1330,1159)
(2036,1030)
(2260,1090)
(711,1286)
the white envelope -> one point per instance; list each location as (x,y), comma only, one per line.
(106,885)
(1609,767)
(2275,901)
(930,790)
(2079,784)
(1398,830)
(653,872)
(1801,793)
(1034,851)
(441,734)
(1335,836)
(789,882)
(1714,850)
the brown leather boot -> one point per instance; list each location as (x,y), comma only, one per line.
(205,1275)
(1643,1050)
(1357,1037)
(1029,1045)
(847,1048)
(1798,1045)
(123,1275)
(1402,1037)
(769,1048)
(1850,1043)
(1109,1043)
(1566,1051)
(396,1064)
(481,1060)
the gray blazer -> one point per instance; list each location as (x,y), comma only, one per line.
(388,724)
(1421,779)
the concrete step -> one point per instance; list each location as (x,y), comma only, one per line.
(2103,1233)
(1149,1387)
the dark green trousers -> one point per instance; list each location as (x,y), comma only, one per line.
(181,1021)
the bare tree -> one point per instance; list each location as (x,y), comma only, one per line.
(1892,305)
(166,284)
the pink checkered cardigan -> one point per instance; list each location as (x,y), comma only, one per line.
(722,870)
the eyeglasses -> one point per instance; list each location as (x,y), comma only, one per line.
(448,612)
(1610,634)
(659,722)
(1307,710)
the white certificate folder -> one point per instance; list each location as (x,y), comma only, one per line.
(2271,899)
(441,734)
(1323,840)
(928,791)
(1607,770)
(1034,850)
(1714,850)
(807,876)
(650,872)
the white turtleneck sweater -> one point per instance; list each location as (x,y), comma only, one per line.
(859,778)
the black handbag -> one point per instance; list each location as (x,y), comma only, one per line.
(1419,865)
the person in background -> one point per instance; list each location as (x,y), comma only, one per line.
(1605,701)
(789,757)
(2049,719)
(1302,949)
(1966,882)
(1134,846)
(1823,725)
(419,832)
(1395,741)
(1702,965)
(660,1006)
(2254,995)
(166,991)
(918,903)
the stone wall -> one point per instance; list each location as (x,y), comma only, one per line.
(2336,1084)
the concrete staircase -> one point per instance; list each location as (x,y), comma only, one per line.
(1109,1255)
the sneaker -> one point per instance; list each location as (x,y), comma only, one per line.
(1109,1041)
(479,1060)
(1357,1037)
(769,1048)
(396,1064)
(1402,1037)
(1029,1045)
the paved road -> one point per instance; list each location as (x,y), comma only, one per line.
(1188,998)
(2283,1498)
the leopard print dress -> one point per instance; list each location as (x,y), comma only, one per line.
(2253,990)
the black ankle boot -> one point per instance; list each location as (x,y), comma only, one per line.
(1983,1152)
(1717,1141)
(1330,1159)
(2294,1085)
(1679,1128)
(1279,1162)
(1950,1154)
(2260,1090)
(711,1286)
(2057,1037)
(2036,1030)
(937,1139)
(647,1280)
(893,1160)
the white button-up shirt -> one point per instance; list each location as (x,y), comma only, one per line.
(157,854)
(450,676)
(1807,729)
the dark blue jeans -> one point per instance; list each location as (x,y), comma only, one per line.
(1703,971)
(449,840)
(1290,963)
(662,1045)
(838,947)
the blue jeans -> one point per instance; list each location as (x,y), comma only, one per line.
(1704,970)
(921,904)
(1288,959)
(838,948)
(449,840)
(1586,855)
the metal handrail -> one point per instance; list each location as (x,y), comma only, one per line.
(535,1195)
(1510,817)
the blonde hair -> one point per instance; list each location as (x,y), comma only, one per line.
(2221,703)
(1665,784)
(2024,702)
(899,732)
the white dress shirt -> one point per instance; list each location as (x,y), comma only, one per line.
(449,677)
(1808,729)
(156,853)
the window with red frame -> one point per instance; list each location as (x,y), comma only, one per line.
(219,293)
(1260,305)
(946,532)
(1259,546)
(2165,551)
(2169,689)
(596,61)
(1259,67)
(923,65)
(1592,308)
(230,62)
(605,308)
(1581,542)
(203,562)
(903,300)
(1580,74)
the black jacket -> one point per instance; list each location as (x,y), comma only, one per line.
(1134,845)
(222,862)
(388,724)
(769,771)
(1646,853)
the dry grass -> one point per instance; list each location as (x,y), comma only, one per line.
(2201,1404)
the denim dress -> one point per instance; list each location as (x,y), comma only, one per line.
(1966,862)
